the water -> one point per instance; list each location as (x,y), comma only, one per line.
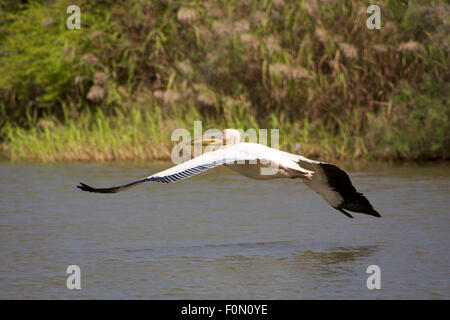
(220,235)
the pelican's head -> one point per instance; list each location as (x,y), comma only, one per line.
(222,138)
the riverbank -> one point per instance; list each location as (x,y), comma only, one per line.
(146,135)
(116,88)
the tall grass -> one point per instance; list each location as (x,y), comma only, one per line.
(138,69)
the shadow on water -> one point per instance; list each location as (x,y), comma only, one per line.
(285,269)
(330,262)
(220,235)
(320,261)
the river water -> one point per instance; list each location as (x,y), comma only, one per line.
(220,235)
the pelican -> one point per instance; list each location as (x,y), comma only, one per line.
(260,162)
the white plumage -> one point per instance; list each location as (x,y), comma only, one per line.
(260,162)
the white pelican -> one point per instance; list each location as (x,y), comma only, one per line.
(251,159)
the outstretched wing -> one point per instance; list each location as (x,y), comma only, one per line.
(185,170)
(335,186)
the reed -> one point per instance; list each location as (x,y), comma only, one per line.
(136,70)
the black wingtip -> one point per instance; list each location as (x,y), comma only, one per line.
(375,213)
(352,200)
(371,212)
(85,187)
(345,212)
(359,203)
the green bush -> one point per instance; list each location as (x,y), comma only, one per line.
(310,68)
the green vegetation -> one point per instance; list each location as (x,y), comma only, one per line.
(138,69)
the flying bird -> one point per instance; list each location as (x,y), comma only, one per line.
(260,162)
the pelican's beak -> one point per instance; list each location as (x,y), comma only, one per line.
(208,139)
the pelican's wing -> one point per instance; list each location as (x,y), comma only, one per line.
(335,186)
(185,170)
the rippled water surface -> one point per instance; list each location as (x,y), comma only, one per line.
(220,235)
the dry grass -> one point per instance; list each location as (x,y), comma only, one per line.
(310,68)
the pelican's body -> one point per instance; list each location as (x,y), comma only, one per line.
(260,162)
(268,163)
